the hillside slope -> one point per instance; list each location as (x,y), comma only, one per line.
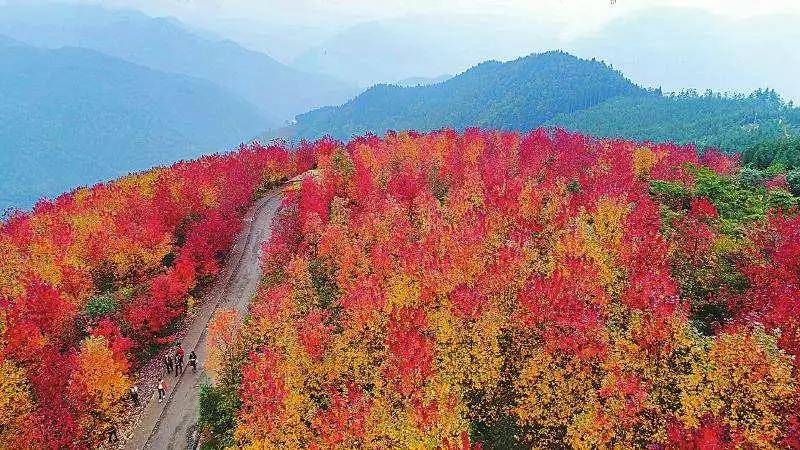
(518,95)
(731,123)
(165,44)
(560,90)
(73,116)
(517,291)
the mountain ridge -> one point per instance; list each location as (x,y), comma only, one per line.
(168,45)
(584,95)
(519,94)
(674,47)
(73,116)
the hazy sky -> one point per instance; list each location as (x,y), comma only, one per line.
(585,14)
(706,53)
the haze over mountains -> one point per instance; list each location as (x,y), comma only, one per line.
(99,93)
(424,46)
(73,116)
(131,90)
(682,48)
(279,91)
(672,48)
(557,89)
(422,81)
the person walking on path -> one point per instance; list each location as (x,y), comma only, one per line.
(135,395)
(162,388)
(113,437)
(179,354)
(178,365)
(193,361)
(168,362)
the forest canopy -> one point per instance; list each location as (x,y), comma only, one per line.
(517,290)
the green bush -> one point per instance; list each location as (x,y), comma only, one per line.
(672,194)
(793,177)
(102,305)
(752,177)
(218,407)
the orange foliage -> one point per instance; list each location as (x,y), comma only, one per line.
(444,290)
(117,262)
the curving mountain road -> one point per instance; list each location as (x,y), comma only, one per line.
(171,424)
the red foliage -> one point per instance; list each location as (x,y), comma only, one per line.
(566,309)
(134,248)
(263,391)
(774,295)
(710,435)
(720,162)
(467,303)
(343,420)
(467,275)
(778,182)
(410,351)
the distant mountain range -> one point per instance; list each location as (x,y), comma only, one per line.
(279,91)
(423,46)
(422,81)
(674,48)
(520,94)
(88,94)
(73,116)
(556,89)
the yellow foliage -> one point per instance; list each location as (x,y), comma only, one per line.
(209,197)
(11,269)
(745,376)
(469,353)
(101,382)
(402,291)
(601,233)
(643,161)
(553,389)
(15,405)
(223,329)
(41,257)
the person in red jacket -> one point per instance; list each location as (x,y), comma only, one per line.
(162,389)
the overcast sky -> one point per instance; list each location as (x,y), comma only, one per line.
(586,14)
(705,54)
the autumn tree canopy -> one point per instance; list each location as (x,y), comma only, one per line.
(92,280)
(449,290)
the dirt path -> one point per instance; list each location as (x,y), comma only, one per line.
(171,424)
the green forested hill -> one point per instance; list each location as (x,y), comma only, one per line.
(520,94)
(557,89)
(732,123)
(782,153)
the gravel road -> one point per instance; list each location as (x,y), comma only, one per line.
(171,424)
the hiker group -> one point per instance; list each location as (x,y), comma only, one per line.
(174,362)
